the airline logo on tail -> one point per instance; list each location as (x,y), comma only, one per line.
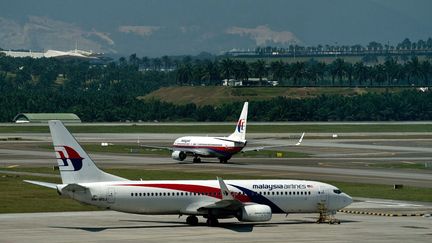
(240,125)
(68,159)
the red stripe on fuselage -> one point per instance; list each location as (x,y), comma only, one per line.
(231,150)
(207,190)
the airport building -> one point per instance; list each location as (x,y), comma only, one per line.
(72,54)
(45,117)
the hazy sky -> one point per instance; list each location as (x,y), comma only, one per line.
(172,27)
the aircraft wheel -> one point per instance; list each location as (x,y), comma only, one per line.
(223,161)
(197,160)
(192,220)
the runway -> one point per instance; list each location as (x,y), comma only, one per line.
(350,160)
(109,226)
(347,160)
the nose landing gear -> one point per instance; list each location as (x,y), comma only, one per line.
(326,216)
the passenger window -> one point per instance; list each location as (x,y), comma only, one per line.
(136,194)
(132,194)
(140,194)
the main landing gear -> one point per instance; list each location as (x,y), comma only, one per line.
(197,160)
(192,220)
(223,160)
(212,221)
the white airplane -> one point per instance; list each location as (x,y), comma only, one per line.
(222,148)
(246,200)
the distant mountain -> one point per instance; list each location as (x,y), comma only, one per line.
(170,27)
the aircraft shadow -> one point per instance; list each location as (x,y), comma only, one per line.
(208,162)
(237,227)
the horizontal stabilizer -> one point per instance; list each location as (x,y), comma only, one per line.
(41,183)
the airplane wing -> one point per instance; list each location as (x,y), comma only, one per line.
(227,201)
(272,146)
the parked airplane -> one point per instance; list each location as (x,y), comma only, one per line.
(222,148)
(246,200)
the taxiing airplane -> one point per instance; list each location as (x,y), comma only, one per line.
(222,148)
(246,200)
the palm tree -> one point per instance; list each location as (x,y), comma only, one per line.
(241,70)
(298,71)
(157,64)
(426,71)
(227,68)
(391,69)
(360,72)
(145,61)
(166,62)
(413,69)
(339,68)
(184,74)
(278,70)
(259,69)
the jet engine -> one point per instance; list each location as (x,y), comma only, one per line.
(178,155)
(254,213)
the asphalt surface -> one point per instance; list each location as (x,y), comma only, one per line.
(108,226)
(330,159)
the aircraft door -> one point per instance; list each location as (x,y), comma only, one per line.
(111,195)
(323,197)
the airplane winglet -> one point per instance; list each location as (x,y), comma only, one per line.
(226,194)
(300,140)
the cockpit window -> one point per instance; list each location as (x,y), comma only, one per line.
(337,191)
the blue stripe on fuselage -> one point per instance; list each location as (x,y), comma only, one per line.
(260,199)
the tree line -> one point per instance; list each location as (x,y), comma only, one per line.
(373,48)
(111,92)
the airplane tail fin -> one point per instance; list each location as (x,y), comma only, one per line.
(239,133)
(74,163)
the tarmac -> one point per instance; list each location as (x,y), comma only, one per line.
(366,220)
(109,226)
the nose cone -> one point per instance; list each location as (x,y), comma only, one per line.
(346,200)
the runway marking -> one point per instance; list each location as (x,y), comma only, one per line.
(12,166)
(393,204)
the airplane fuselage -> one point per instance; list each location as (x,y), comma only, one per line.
(219,147)
(186,197)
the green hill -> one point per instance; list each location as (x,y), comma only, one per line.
(220,95)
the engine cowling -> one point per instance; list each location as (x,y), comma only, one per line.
(254,213)
(178,155)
